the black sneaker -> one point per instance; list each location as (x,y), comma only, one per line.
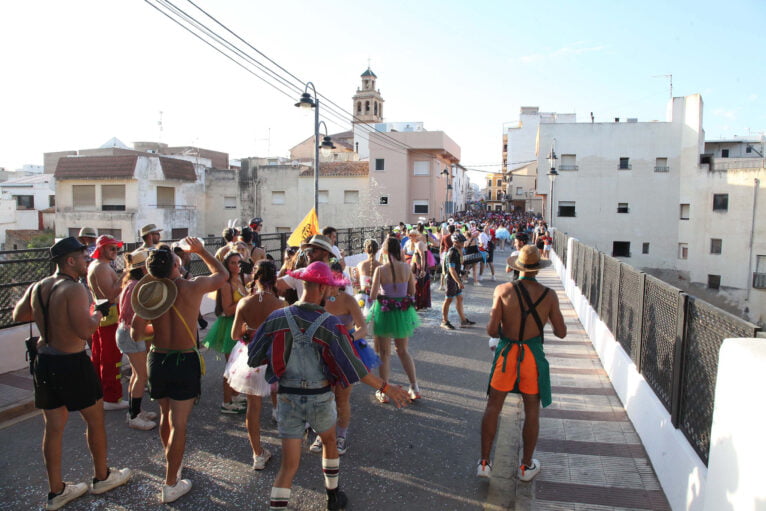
(447,325)
(336,500)
(467,322)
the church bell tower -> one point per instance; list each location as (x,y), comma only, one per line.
(368,104)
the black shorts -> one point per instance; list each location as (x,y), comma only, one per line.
(453,289)
(490,255)
(174,375)
(65,380)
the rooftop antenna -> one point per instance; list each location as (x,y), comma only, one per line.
(670,78)
(159,123)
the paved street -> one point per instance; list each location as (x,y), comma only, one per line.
(422,457)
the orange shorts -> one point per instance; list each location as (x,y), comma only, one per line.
(506,381)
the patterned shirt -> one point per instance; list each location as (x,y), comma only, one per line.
(272,344)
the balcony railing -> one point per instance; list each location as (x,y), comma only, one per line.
(569,167)
(660,168)
(759,280)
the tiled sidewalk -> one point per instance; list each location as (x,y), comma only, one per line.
(592,458)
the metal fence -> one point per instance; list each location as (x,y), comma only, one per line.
(673,338)
(20,268)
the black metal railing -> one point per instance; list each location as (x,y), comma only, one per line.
(20,268)
(672,337)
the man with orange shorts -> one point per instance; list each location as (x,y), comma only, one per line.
(519,364)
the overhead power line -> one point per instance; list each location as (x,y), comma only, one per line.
(279,79)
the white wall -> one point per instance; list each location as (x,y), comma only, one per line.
(680,471)
(737,449)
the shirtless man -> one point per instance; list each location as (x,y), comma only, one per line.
(172,305)
(64,378)
(150,233)
(104,283)
(520,310)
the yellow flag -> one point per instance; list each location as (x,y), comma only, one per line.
(308,227)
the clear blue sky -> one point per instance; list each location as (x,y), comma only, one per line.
(78,72)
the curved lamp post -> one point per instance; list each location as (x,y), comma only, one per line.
(307,101)
(552,174)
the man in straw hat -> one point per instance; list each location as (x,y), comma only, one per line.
(520,310)
(150,233)
(175,366)
(308,350)
(105,284)
(64,378)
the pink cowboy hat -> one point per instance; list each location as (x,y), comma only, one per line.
(319,273)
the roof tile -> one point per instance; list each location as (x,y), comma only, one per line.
(340,169)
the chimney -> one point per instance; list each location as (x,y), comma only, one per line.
(616,119)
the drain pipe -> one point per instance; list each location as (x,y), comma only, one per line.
(757,184)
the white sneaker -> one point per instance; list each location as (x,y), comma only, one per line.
(239,398)
(149,416)
(232,408)
(175,492)
(116,478)
(260,460)
(317,445)
(342,445)
(138,422)
(70,492)
(528,473)
(119,405)
(484,469)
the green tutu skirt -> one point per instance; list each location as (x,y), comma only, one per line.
(219,337)
(394,317)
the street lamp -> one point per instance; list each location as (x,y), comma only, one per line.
(552,159)
(307,101)
(446,174)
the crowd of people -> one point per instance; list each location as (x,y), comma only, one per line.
(294,332)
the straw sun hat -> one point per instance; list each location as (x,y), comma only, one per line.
(153,297)
(528,260)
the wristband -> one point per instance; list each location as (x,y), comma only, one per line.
(383,388)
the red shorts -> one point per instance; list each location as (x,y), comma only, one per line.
(527,377)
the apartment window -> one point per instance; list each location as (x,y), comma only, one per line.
(683,250)
(625,164)
(84,196)
(179,233)
(279,197)
(25,201)
(568,162)
(500,183)
(498,207)
(661,165)
(350,196)
(420,207)
(566,208)
(713,281)
(489,194)
(622,207)
(323,197)
(489,183)
(749,149)
(684,211)
(519,190)
(229,202)
(421,168)
(759,277)
(724,154)
(721,202)
(645,248)
(380,164)
(621,249)
(383,200)
(715,245)
(166,197)
(51,201)
(115,233)
(112,197)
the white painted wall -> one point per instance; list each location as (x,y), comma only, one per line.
(679,470)
(737,449)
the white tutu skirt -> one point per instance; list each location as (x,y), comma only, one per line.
(243,378)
